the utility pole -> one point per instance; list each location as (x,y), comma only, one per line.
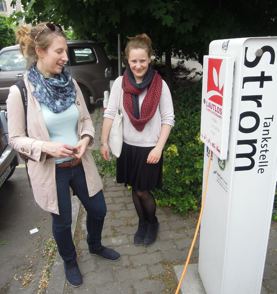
(119,54)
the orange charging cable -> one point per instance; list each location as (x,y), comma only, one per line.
(197,227)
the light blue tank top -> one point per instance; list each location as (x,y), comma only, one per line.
(62,127)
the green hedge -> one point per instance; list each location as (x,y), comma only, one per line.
(183,155)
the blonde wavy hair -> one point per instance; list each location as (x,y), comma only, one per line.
(29,37)
(139,41)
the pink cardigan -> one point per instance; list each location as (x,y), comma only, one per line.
(42,170)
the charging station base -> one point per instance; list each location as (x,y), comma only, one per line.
(192,283)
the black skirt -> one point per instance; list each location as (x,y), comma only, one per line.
(133,170)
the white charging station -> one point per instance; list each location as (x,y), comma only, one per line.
(239,124)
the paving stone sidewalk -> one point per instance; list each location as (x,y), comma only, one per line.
(142,270)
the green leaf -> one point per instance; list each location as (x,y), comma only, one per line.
(167,20)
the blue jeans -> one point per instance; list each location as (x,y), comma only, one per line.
(95,206)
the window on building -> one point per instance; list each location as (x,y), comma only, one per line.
(3,6)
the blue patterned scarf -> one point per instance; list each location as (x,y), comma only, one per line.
(56,93)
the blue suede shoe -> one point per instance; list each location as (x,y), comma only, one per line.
(73,274)
(107,253)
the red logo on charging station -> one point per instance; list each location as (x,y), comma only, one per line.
(215,87)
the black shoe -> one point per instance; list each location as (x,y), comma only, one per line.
(73,274)
(151,234)
(140,233)
(107,253)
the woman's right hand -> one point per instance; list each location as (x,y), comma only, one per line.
(57,149)
(105,152)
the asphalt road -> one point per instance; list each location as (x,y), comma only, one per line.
(21,253)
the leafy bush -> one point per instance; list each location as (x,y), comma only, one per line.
(7,35)
(183,155)
(104,167)
(70,35)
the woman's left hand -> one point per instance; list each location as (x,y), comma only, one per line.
(154,156)
(81,147)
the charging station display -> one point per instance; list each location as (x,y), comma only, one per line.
(216,103)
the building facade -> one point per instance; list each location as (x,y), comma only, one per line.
(6,9)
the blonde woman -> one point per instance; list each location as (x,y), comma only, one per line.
(58,141)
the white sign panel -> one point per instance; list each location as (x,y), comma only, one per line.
(216,103)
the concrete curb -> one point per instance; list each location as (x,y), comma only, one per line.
(57,279)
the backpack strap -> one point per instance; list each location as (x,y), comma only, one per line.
(23,91)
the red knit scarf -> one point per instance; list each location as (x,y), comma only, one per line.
(149,104)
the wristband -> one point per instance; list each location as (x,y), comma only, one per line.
(104,144)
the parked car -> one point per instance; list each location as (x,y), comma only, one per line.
(88,64)
(9,158)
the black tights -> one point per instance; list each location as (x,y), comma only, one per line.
(145,206)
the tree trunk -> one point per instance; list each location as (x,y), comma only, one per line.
(168,70)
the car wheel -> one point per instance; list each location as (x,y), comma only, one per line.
(11,173)
(86,96)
